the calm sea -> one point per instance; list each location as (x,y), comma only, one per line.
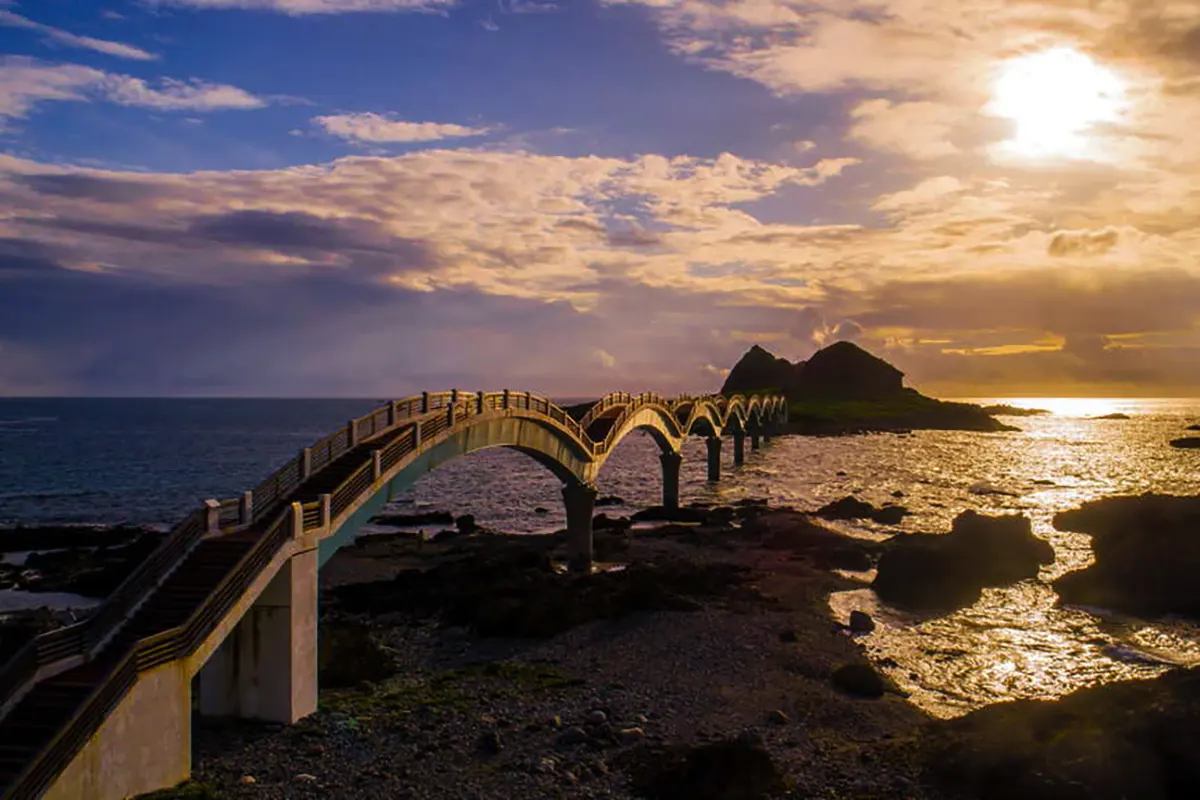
(151,461)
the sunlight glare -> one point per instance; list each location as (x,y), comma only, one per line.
(1054,97)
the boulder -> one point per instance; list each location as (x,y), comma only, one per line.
(412,520)
(797,533)
(609,500)
(1130,739)
(860,680)
(861,622)
(733,769)
(1195,427)
(949,571)
(1147,555)
(850,508)
(1187,443)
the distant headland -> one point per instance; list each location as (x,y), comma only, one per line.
(844,389)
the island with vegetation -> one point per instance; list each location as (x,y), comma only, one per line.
(844,389)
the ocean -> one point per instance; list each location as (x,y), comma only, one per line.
(151,461)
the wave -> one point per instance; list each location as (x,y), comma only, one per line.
(52,495)
(27,420)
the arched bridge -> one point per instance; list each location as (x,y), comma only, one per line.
(102,709)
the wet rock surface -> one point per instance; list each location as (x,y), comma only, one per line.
(1124,740)
(948,571)
(77,560)
(851,508)
(1147,555)
(735,769)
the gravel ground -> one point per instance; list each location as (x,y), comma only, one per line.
(468,717)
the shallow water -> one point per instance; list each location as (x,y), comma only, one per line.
(71,462)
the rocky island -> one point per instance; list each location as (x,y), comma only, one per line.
(844,389)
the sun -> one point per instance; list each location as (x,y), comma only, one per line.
(1055,98)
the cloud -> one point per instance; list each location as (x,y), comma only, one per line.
(606,360)
(1068,243)
(920,130)
(378,129)
(25,82)
(306,7)
(67,39)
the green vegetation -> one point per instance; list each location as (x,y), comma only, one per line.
(450,690)
(907,409)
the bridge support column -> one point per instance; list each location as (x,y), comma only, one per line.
(580,500)
(739,449)
(671,462)
(714,458)
(267,666)
(754,441)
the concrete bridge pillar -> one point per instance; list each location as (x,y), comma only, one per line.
(714,458)
(267,666)
(754,440)
(580,500)
(739,448)
(671,462)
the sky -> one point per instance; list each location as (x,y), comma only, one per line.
(379,197)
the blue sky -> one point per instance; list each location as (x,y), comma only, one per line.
(312,196)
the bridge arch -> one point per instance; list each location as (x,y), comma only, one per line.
(548,443)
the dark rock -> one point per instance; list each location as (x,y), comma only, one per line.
(513,591)
(57,537)
(949,571)
(1013,411)
(489,742)
(861,622)
(1113,416)
(797,533)
(661,514)
(609,500)
(846,371)
(841,474)
(466,524)
(85,571)
(348,655)
(575,735)
(1195,427)
(413,520)
(602,522)
(734,769)
(758,370)
(1147,555)
(777,717)
(850,508)
(859,679)
(1130,739)
(897,494)
(540,510)
(1186,443)
(788,636)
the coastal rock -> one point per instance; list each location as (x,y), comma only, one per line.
(609,500)
(91,572)
(861,622)
(1113,416)
(851,508)
(661,514)
(1147,555)
(735,769)
(1186,443)
(413,520)
(859,679)
(1131,739)
(797,533)
(1195,427)
(846,371)
(509,590)
(949,571)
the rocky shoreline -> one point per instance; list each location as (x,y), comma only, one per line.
(700,661)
